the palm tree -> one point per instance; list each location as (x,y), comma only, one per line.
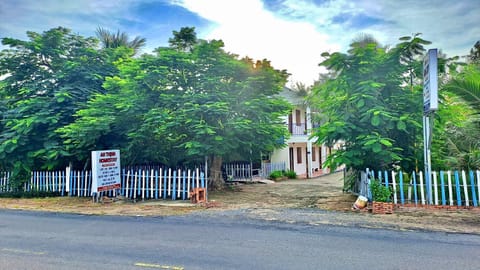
(119,39)
(466,85)
(464,142)
(184,40)
(475,53)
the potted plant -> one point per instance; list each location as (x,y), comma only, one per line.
(381,198)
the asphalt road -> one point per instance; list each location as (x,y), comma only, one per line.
(37,240)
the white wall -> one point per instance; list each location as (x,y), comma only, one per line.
(280,155)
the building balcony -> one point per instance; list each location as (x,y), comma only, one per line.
(297,128)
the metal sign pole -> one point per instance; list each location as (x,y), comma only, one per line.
(426,151)
(427,146)
(430,105)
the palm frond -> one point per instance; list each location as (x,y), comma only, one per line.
(467,86)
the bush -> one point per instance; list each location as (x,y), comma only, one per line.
(290,174)
(275,175)
(380,193)
(29,194)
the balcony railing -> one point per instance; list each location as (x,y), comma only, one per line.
(297,128)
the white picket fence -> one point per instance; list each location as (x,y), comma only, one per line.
(268,168)
(136,184)
(452,188)
(238,171)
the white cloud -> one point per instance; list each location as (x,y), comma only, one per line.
(39,16)
(290,33)
(247,28)
(451,25)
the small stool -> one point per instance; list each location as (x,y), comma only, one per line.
(198,195)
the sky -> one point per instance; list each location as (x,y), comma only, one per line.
(292,34)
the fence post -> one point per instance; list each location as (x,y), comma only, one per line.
(422,195)
(165,184)
(184,187)
(472,186)
(174,184)
(402,197)
(179,182)
(135,191)
(478,182)
(189,180)
(127,190)
(415,195)
(457,187)
(450,189)
(465,188)
(156,184)
(435,187)
(198,177)
(442,183)
(151,183)
(394,185)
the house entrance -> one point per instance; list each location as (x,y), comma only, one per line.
(290,157)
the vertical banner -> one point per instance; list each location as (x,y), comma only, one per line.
(105,170)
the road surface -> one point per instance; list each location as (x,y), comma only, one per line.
(38,240)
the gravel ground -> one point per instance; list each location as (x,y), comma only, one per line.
(312,202)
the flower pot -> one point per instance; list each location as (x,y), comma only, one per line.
(382,208)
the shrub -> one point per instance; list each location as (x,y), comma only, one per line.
(291,174)
(29,194)
(380,193)
(275,175)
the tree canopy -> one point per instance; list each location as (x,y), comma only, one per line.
(179,106)
(371,104)
(47,79)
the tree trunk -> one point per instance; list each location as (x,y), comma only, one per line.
(216,173)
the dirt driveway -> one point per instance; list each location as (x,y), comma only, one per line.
(313,201)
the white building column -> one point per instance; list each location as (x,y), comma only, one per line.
(309,142)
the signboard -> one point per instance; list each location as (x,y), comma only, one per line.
(430,82)
(105,170)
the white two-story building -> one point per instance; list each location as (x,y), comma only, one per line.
(301,154)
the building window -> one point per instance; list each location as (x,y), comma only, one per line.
(314,156)
(299,155)
(298,117)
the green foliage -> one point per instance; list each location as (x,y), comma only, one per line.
(474,55)
(29,194)
(380,193)
(62,97)
(275,175)
(111,40)
(290,174)
(182,105)
(466,85)
(372,104)
(183,40)
(457,133)
(49,77)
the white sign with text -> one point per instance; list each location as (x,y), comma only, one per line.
(430,82)
(105,170)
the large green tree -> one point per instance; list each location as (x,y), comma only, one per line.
(181,105)
(46,79)
(372,105)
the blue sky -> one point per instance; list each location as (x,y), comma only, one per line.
(290,33)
